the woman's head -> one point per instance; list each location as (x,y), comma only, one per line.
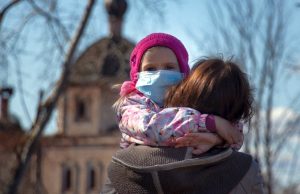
(162,42)
(214,87)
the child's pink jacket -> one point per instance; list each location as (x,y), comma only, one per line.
(141,121)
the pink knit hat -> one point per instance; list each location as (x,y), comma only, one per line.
(152,40)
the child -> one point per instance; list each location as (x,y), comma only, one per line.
(157,62)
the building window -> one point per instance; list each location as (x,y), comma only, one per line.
(81,110)
(94,176)
(111,65)
(67,179)
(91,179)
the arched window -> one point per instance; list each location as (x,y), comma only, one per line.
(95,173)
(91,178)
(67,179)
(81,109)
(111,65)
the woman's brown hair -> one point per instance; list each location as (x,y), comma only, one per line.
(214,87)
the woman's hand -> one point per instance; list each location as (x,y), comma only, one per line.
(201,142)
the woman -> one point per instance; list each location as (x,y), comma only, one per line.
(214,87)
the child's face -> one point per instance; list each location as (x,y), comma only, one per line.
(159,58)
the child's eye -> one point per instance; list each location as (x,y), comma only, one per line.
(169,67)
(150,69)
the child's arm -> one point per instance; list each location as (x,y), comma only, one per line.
(140,120)
(231,133)
(201,142)
(143,122)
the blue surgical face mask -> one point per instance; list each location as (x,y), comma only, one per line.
(153,84)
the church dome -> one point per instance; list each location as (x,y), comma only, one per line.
(106,61)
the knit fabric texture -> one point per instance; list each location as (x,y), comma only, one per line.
(132,171)
(152,40)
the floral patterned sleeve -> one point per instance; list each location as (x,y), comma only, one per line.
(141,121)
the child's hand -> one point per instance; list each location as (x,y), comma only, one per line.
(201,142)
(232,134)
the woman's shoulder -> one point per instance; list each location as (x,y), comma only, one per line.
(252,182)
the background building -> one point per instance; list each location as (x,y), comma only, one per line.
(75,159)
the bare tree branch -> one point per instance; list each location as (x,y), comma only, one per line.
(6,8)
(294,162)
(257,35)
(51,18)
(21,89)
(48,106)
